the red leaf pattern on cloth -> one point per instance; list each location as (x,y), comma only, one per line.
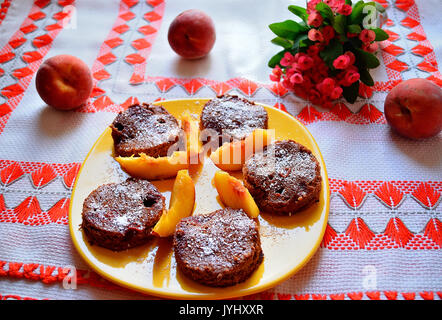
(409,23)
(43,176)
(32,56)
(393,49)
(147,29)
(15,43)
(130,101)
(28,208)
(7,57)
(12,90)
(114,42)
(140,44)
(11,173)
(121,28)
(359,232)
(416,36)
(329,235)
(248,87)
(192,86)
(398,232)
(37,15)
(421,50)
(371,113)
(433,230)
(353,195)
(42,41)
(28,28)
(2,203)
(70,175)
(102,103)
(404,5)
(390,195)
(427,66)
(22,72)
(341,111)
(107,58)
(220,88)
(134,58)
(165,84)
(309,114)
(280,106)
(426,195)
(127,16)
(59,210)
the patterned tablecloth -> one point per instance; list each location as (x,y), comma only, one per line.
(384,235)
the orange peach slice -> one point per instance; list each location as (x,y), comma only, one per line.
(233,194)
(231,156)
(193,144)
(182,202)
(150,168)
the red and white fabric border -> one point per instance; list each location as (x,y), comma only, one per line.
(384,235)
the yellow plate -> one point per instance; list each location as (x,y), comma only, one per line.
(287,242)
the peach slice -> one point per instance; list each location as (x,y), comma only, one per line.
(193,144)
(150,168)
(182,202)
(233,194)
(231,156)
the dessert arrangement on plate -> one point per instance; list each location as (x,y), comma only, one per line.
(220,248)
(224,197)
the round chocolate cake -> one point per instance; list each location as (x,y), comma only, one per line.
(144,128)
(283,178)
(119,216)
(219,249)
(233,118)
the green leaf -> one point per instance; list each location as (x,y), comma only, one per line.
(276,58)
(356,15)
(299,11)
(351,93)
(339,23)
(331,52)
(348,2)
(288,29)
(286,44)
(381,35)
(367,59)
(366,77)
(354,28)
(325,11)
(300,42)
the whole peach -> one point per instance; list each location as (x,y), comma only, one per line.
(414,108)
(64,82)
(192,34)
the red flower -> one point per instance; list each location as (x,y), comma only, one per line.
(351,76)
(305,62)
(313,50)
(328,33)
(341,62)
(311,5)
(276,74)
(297,78)
(314,19)
(351,56)
(370,47)
(315,35)
(287,60)
(367,36)
(345,9)
(336,93)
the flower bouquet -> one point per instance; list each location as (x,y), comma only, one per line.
(329,53)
